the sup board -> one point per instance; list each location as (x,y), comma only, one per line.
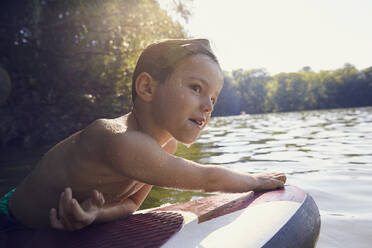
(285,217)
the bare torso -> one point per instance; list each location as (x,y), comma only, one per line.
(119,159)
(76,162)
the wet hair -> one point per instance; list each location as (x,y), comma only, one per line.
(161,58)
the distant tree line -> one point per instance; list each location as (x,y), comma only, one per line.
(255,91)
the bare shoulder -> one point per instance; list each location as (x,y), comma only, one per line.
(128,141)
(101,129)
(92,140)
(112,136)
(107,126)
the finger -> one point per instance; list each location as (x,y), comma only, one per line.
(54,222)
(60,205)
(278,176)
(67,203)
(101,199)
(65,209)
(67,200)
(278,184)
(281,177)
(61,212)
(79,214)
(98,198)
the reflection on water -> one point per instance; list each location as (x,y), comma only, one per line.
(327,153)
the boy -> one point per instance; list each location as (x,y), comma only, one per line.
(111,165)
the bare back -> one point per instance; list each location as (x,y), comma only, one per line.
(77,162)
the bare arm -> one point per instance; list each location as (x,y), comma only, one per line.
(125,207)
(133,202)
(140,157)
(73,215)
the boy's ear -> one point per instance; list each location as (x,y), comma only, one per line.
(145,86)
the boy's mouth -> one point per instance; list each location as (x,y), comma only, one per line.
(198,122)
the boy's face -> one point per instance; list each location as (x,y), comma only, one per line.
(183,104)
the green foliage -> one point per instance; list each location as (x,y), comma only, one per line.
(251,89)
(254,91)
(70,62)
(288,92)
(227,101)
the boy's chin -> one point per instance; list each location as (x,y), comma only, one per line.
(187,141)
(188,144)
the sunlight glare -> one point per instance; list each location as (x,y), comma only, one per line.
(285,35)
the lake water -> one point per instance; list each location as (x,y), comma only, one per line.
(327,153)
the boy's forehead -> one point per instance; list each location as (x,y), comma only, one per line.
(200,67)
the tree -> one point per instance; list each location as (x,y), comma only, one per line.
(251,89)
(71,62)
(287,92)
(228,103)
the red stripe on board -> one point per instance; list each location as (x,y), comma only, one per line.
(218,205)
(209,205)
(289,193)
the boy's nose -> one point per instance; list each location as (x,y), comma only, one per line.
(207,105)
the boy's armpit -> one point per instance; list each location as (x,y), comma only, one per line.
(140,157)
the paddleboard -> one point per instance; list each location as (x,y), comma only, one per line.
(285,217)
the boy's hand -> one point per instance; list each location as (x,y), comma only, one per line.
(266,181)
(73,216)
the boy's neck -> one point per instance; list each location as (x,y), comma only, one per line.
(145,125)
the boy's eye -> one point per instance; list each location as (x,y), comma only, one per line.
(213,100)
(196,88)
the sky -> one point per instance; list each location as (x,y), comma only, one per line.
(285,35)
